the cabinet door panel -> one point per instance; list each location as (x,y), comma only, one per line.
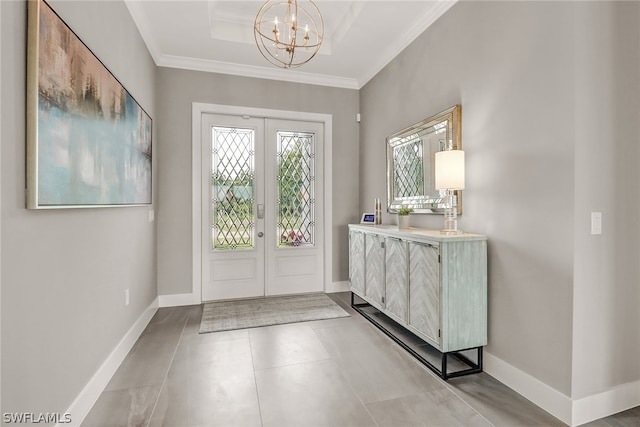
(374,270)
(424,288)
(356,262)
(396,278)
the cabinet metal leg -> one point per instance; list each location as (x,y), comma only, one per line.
(442,371)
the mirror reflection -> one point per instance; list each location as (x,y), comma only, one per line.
(410,162)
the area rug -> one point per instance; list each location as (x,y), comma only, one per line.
(253,313)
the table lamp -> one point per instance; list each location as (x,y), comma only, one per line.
(450,177)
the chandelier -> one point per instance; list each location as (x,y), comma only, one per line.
(288,34)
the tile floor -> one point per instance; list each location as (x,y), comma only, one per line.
(339,372)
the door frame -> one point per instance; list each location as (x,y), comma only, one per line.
(198,109)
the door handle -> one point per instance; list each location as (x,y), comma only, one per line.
(260,234)
(260,212)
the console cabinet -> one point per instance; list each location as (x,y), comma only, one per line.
(424,288)
(374,268)
(395,279)
(434,285)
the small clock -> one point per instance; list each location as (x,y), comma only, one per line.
(368,218)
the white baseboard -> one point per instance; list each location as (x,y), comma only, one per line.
(551,400)
(573,412)
(334,287)
(177,300)
(81,406)
(618,399)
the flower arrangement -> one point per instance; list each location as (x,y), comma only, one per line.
(292,238)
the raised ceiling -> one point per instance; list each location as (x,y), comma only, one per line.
(361,37)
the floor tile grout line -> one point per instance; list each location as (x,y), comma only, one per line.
(295,363)
(366,405)
(354,391)
(255,379)
(331,359)
(451,389)
(454,392)
(441,381)
(166,375)
(306,362)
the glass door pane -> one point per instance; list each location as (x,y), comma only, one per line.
(295,188)
(232,184)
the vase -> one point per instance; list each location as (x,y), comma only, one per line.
(403,222)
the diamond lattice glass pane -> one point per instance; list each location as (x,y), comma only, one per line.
(408,176)
(296,188)
(232,181)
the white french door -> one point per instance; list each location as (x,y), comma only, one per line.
(294,186)
(262,210)
(232,192)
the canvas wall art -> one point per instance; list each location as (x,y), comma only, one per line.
(88,140)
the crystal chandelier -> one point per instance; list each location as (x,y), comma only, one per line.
(288,34)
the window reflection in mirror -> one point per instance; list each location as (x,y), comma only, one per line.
(410,162)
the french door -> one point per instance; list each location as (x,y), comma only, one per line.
(262,210)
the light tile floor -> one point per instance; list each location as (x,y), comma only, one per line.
(339,372)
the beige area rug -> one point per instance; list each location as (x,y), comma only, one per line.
(253,313)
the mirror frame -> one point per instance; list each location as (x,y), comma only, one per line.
(429,203)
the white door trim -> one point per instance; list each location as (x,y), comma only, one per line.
(198,109)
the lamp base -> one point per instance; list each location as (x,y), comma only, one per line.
(450,215)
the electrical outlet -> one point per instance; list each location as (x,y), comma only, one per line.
(152,215)
(126,297)
(596,222)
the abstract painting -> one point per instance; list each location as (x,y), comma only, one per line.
(88,140)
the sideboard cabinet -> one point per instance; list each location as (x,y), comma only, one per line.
(432,284)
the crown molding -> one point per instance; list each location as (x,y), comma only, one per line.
(407,38)
(256,72)
(384,58)
(144,28)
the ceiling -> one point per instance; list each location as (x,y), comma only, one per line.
(361,37)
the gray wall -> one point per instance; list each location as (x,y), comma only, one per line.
(606,342)
(549,94)
(0,210)
(177,90)
(64,272)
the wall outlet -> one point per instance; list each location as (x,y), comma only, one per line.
(596,222)
(152,215)
(126,297)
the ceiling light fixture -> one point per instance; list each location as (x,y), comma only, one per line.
(288,34)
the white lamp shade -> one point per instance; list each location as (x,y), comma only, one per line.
(450,170)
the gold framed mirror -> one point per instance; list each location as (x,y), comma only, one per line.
(411,162)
